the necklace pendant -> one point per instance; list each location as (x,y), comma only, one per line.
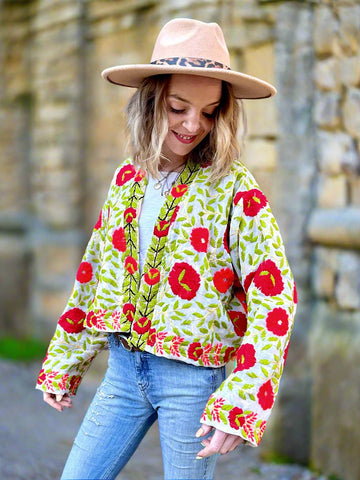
(157,185)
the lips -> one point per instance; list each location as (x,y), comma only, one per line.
(187,139)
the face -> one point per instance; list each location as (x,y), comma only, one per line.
(191,104)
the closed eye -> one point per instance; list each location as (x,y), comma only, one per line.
(210,115)
(175,110)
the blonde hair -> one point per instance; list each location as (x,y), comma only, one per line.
(148,127)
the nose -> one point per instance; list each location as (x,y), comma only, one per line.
(192,122)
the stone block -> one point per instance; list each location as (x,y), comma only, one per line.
(333,147)
(349,68)
(325,30)
(55,264)
(261,114)
(347,290)
(349,32)
(14,284)
(332,191)
(323,274)
(355,191)
(326,74)
(351,112)
(260,154)
(335,357)
(335,227)
(327,109)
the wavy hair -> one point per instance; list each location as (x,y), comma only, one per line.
(148,127)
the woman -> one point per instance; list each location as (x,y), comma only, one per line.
(184,271)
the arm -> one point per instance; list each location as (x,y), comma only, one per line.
(73,347)
(242,404)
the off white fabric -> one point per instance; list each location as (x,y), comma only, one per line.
(150,209)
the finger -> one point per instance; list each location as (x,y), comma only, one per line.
(239,441)
(203,430)
(229,444)
(57,401)
(216,443)
(49,398)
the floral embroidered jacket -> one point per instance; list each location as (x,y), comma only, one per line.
(216,286)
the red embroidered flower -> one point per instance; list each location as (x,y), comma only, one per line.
(129,214)
(199,239)
(223,279)
(98,223)
(84,273)
(206,164)
(128,311)
(72,321)
(241,296)
(140,174)
(152,337)
(236,418)
(229,353)
(152,276)
(245,357)
(63,381)
(268,279)
(96,320)
(174,215)
(239,320)
(126,173)
(184,280)
(254,200)
(265,395)
(161,229)
(248,281)
(119,240)
(74,383)
(295,294)
(41,377)
(226,239)
(286,352)
(142,325)
(131,265)
(277,321)
(179,190)
(195,351)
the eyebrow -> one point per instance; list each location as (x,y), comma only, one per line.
(217,102)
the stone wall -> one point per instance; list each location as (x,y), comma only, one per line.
(62,134)
(334,227)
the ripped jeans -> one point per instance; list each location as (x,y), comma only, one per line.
(138,389)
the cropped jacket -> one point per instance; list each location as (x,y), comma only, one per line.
(216,286)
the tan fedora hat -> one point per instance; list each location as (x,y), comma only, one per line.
(190,47)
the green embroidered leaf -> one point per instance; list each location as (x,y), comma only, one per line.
(223,418)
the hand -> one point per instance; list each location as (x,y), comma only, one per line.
(220,442)
(57,401)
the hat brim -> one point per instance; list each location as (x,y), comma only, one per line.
(244,86)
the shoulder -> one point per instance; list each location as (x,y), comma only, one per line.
(244,179)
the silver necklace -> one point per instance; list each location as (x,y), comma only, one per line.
(163,183)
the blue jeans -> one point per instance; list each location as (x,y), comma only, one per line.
(139,388)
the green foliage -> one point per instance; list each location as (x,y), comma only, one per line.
(22,349)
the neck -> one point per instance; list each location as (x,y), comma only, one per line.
(168,165)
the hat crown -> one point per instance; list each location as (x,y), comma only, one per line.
(184,37)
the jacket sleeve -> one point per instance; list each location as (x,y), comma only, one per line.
(73,346)
(244,401)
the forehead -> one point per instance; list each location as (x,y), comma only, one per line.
(191,87)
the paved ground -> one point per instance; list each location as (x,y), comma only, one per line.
(35,439)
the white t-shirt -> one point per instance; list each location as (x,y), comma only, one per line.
(150,209)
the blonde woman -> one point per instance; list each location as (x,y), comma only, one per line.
(185,270)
